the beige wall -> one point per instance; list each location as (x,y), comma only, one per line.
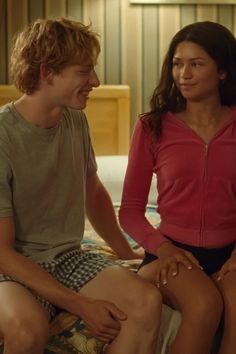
(134,38)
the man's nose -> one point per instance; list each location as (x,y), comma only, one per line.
(94,80)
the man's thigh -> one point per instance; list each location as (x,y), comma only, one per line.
(19,303)
(118,285)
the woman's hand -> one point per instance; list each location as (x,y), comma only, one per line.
(229,266)
(170,257)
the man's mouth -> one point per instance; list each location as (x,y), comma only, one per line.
(85,93)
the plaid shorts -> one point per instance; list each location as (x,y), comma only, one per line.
(73,269)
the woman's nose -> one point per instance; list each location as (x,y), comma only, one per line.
(186,71)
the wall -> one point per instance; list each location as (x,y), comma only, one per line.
(134,38)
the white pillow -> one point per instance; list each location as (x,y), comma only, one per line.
(111,171)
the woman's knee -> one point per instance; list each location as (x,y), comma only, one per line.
(205,306)
(30,334)
(228,290)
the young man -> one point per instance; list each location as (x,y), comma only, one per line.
(48,181)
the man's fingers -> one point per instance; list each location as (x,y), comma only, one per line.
(117,314)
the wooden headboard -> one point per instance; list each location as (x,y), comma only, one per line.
(108,113)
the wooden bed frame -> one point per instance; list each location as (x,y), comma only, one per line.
(108,113)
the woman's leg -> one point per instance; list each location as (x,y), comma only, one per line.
(24,323)
(227,286)
(140,300)
(197,298)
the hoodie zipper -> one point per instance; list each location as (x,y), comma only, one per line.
(203,204)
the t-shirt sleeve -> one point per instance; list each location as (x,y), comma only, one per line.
(5,187)
(91,161)
(136,189)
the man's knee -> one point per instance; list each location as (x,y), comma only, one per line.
(30,335)
(146,306)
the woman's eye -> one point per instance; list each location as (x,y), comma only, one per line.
(176,64)
(196,65)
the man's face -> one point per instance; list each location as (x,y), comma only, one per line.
(71,87)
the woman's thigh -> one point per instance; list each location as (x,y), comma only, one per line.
(227,287)
(184,290)
(18,305)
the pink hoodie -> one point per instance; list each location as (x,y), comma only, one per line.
(196,185)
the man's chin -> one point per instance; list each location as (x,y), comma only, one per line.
(78,106)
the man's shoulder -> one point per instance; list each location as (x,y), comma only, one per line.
(76,118)
(74,113)
(6,116)
(5,111)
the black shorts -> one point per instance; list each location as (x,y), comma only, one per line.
(211,259)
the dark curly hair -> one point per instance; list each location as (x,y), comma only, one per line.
(220,44)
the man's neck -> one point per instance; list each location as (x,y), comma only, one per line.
(38,111)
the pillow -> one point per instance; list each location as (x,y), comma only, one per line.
(111,171)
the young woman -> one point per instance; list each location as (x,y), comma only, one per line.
(188,139)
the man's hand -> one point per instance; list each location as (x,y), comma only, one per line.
(170,257)
(102,318)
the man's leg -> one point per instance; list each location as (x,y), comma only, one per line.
(137,298)
(24,323)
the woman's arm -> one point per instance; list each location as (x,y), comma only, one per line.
(135,192)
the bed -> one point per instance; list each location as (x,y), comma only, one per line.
(108,113)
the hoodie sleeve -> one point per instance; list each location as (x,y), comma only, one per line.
(136,189)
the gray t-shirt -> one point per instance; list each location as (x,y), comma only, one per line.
(42,181)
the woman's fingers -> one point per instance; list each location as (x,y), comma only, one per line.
(170,266)
(192,259)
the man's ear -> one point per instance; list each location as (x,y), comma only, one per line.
(46,73)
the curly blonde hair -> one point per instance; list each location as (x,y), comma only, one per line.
(54,42)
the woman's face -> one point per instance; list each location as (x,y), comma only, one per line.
(195,73)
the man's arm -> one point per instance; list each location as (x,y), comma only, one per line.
(101,214)
(105,325)
(29,272)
